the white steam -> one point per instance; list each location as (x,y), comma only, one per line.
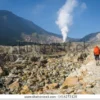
(65,17)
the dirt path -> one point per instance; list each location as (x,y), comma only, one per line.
(90,74)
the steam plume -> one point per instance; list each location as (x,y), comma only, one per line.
(65,17)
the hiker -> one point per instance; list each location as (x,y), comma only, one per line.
(96,54)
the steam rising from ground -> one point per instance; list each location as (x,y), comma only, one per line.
(65,17)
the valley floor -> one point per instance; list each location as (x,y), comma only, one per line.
(33,73)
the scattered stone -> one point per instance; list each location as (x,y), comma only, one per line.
(82,82)
(8,81)
(88,86)
(80,77)
(25,90)
(40,91)
(1,71)
(34,59)
(14,86)
(1,83)
(69,82)
(52,86)
(70,90)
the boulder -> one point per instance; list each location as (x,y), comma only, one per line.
(43,60)
(40,91)
(70,82)
(14,86)
(51,86)
(8,80)
(70,90)
(25,90)
(34,59)
(1,71)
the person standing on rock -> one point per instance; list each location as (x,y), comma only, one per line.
(96,54)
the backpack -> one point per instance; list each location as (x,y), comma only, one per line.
(96,50)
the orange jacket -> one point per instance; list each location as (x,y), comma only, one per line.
(96,50)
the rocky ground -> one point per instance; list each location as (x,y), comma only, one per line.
(34,73)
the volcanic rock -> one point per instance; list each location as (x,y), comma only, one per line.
(1,71)
(52,86)
(25,90)
(69,82)
(14,86)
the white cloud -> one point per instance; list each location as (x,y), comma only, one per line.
(83,6)
(38,9)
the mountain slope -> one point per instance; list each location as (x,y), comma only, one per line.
(93,37)
(14,28)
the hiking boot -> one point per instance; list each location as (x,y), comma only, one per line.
(96,63)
